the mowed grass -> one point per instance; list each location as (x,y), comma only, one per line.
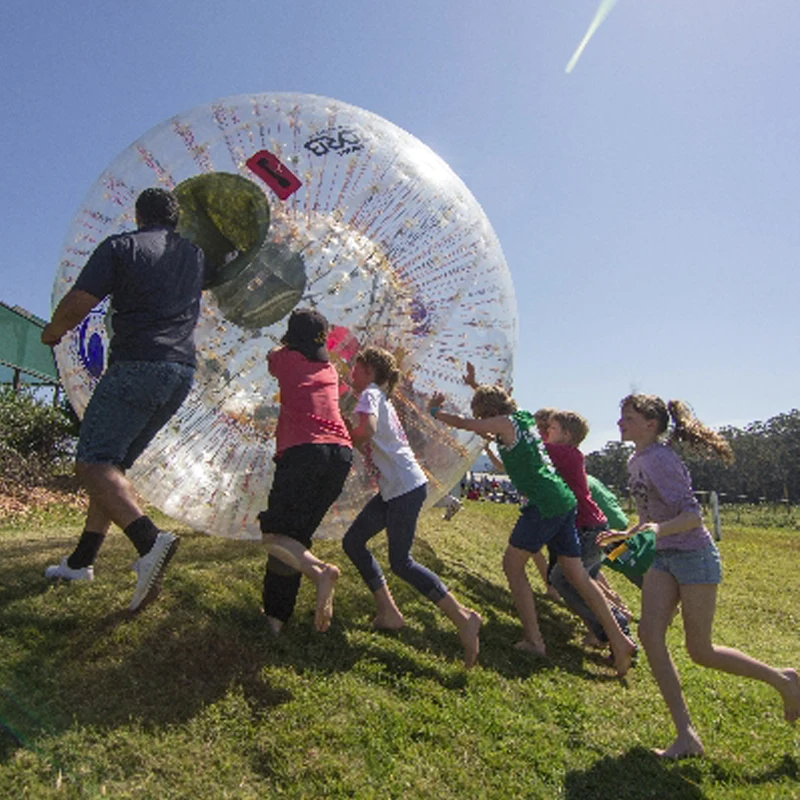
(193,698)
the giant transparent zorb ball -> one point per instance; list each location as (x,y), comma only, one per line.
(301,200)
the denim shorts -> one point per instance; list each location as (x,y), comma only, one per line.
(531,533)
(129,406)
(691,566)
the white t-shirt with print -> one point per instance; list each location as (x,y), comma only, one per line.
(388,450)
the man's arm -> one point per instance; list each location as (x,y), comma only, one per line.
(71,311)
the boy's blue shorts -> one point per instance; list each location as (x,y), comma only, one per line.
(129,406)
(531,533)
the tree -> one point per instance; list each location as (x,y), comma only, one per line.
(766,465)
(35,437)
(610,465)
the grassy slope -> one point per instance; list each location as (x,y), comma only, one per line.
(193,698)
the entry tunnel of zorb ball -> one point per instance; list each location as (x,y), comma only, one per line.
(300,200)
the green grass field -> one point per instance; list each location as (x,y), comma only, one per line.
(193,698)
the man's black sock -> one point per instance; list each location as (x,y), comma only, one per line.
(142,532)
(86,550)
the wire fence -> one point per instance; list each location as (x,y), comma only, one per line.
(737,510)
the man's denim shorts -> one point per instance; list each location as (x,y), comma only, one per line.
(691,566)
(130,405)
(531,533)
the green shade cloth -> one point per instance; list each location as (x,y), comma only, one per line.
(21,347)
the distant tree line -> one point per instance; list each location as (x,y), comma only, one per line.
(766,466)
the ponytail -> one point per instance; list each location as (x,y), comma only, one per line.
(686,427)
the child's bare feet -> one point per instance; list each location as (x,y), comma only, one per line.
(685,746)
(623,656)
(536,649)
(326,582)
(469,633)
(388,622)
(791,695)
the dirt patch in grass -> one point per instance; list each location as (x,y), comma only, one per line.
(19,499)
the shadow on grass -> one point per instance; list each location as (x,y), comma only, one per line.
(502,629)
(22,571)
(788,769)
(655,778)
(80,658)
(636,775)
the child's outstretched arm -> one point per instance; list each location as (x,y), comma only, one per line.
(685,521)
(500,427)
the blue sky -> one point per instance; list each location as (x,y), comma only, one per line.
(647,203)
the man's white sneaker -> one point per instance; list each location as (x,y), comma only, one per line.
(150,569)
(63,572)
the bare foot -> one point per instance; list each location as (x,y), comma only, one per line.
(469,635)
(388,622)
(685,746)
(325,586)
(623,656)
(791,695)
(531,647)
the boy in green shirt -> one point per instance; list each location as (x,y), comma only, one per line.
(548,518)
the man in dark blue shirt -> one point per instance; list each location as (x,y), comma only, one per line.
(155,279)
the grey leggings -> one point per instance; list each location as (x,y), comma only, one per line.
(399,517)
(592,558)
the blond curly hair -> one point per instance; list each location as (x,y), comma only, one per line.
(492,401)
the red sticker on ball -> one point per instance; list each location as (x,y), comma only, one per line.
(274,173)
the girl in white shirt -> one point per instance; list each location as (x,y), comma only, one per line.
(402,490)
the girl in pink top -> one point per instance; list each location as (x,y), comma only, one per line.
(313,457)
(686,570)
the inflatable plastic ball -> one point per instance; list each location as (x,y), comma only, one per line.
(300,200)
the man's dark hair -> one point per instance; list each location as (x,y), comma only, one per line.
(157,207)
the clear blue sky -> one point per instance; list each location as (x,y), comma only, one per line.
(647,204)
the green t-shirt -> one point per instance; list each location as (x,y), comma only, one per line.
(531,470)
(608,504)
